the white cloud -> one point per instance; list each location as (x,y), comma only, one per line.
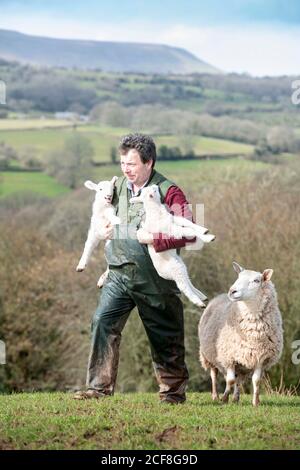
(256,49)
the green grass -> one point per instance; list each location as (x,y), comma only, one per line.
(14,182)
(139,421)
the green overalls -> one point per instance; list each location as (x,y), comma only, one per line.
(133,281)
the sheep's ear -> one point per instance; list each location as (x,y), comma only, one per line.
(267,274)
(238,269)
(114,180)
(90,185)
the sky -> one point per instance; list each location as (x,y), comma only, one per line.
(259,37)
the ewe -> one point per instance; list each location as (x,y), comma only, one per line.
(103,213)
(241,333)
(167,263)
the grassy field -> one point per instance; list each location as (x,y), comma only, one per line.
(14,182)
(196,174)
(139,421)
(190,174)
(45,139)
(24,124)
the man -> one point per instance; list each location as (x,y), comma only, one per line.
(133,281)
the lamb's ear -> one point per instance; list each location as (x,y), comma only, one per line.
(238,269)
(90,185)
(267,274)
(114,180)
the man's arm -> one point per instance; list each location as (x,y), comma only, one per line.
(176,201)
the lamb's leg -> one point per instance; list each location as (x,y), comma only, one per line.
(193,294)
(230,380)
(213,375)
(102,279)
(90,244)
(256,383)
(178,231)
(170,266)
(183,222)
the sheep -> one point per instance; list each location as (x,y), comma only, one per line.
(103,213)
(167,263)
(241,333)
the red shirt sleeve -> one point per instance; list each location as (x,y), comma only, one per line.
(177,203)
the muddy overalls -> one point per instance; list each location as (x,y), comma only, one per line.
(133,281)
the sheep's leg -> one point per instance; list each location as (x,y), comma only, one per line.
(90,244)
(236,391)
(256,383)
(214,375)
(102,279)
(230,380)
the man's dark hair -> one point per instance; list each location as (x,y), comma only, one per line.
(144,144)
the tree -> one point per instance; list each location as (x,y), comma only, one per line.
(72,164)
(113,155)
(7,154)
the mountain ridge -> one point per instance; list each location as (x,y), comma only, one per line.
(109,56)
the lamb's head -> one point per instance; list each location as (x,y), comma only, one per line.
(104,189)
(248,284)
(149,193)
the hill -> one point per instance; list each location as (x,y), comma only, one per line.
(104,55)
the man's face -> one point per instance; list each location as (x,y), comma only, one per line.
(134,169)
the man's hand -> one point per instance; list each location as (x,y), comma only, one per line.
(144,237)
(108,231)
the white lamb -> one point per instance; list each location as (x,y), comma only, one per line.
(167,263)
(103,213)
(241,332)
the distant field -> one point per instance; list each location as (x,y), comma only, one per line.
(22,124)
(103,139)
(194,174)
(191,175)
(207,145)
(14,182)
(45,140)
(46,135)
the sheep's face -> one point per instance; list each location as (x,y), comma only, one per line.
(248,284)
(104,189)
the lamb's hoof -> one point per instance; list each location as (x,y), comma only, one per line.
(100,285)
(208,238)
(79,269)
(256,402)
(215,397)
(235,400)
